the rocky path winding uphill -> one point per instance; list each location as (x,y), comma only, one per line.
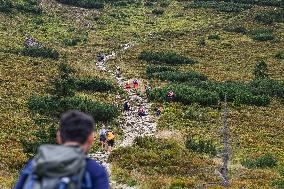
(131,124)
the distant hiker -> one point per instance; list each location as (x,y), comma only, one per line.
(103,138)
(110,139)
(159,111)
(126,106)
(135,84)
(101,57)
(117,97)
(127,86)
(141,111)
(66,165)
(118,72)
(170,95)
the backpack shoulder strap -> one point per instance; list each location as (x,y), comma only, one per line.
(87,181)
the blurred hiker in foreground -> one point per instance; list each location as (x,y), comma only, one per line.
(66,166)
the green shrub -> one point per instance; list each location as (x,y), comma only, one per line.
(165,57)
(179,76)
(165,3)
(44,134)
(265,161)
(64,83)
(279,55)
(185,94)
(260,70)
(53,106)
(270,17)
(219,6)
(258,2)
(279,184)
(122,2)
(181,184)
(71,42)
(6,6)
(94,84)
(236,29)
(261,34)
(29,6)
(158,11)
(150,70)
(163,157)
(149,4)
(201,42)
(201,146)
(214,37)
(237,92)
(269,87)
(89,4)
(40,52)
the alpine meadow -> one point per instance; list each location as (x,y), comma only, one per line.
(192,89)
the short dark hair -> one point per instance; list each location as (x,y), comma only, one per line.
(75,126)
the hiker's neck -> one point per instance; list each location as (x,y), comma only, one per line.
(83,146)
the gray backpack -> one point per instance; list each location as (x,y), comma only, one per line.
(58,167)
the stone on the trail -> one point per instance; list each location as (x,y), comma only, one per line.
(30,42)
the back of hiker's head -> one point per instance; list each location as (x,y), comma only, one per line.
(76,126)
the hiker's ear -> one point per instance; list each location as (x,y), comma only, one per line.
(58,138)
(90,139)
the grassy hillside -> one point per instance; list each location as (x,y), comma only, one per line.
(225,42)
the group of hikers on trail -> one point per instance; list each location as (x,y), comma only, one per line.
(135,85)
(107,139)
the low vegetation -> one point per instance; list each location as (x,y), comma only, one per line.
(201,146)
(172,58)
(25,6)
(219,6)
(94,84)
(153,157)
(270,17)
(42,52)
(265,161)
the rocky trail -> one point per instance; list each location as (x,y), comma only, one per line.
(131,124)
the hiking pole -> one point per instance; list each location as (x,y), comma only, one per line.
(224,169)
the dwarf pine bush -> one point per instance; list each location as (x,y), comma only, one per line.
(270,17)
(94,84)
(42,52)
(165,57)
(201,146)
(264,161)
(53,106)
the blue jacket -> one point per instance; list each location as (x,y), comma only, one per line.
(98,174)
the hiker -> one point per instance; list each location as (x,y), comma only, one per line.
(126,106)
(127,86)
(135,84)
(118,72)
(170,95)
(110,139)
(101,57)
(66,165)
(159,111)
(103,138)
(141,111)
